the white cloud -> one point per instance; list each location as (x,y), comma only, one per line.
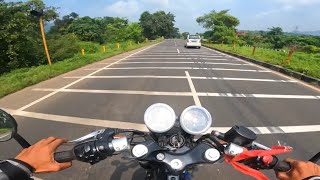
(163,3)
(287,5)
(123,8)
(284,8)
(298,2)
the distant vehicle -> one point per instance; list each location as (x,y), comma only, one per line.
(193,41)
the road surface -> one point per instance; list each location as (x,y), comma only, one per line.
(115,93)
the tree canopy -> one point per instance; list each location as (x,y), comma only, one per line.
(222,24)
(277,39)
(158,24)
(21,42)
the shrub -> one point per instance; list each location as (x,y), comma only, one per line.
(64,47)
(310,49)
(90,47)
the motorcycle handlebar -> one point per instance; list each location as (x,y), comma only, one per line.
(64,156)
(120,144)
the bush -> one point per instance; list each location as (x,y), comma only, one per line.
(310,49)
(89,47)
(64,47)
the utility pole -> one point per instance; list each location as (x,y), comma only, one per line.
(40,15)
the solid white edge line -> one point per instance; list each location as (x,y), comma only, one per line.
(272,71)
(202,94)
(142,127)
(70,84)
(193,90)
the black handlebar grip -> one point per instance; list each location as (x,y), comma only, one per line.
(64,156)
(282,166)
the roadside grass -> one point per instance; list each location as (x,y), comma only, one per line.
(308,64)
(5,130)
(21,78)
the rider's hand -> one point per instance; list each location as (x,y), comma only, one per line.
(299,170)
(41,156)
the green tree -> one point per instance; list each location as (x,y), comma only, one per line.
(185,35)
(146,21)
(207,34)
(86,29)
(114,29)
(276,37)
(158,24)
(61,25)
(21,44)
(222,25)
(134,32)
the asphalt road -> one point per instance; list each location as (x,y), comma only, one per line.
(115,93)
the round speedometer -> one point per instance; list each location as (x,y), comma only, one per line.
(195,120)
(159,118)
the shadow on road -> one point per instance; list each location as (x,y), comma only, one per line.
(121,167)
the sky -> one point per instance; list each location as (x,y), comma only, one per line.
(253,14)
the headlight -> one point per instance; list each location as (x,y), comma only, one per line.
(159,118)
(195,120)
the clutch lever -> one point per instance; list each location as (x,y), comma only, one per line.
(85,138)
(315,158)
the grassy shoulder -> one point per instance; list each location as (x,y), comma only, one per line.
(5,130)
(21,78)
(308,64)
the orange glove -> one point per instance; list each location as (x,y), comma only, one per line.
(40,156)
(299,170)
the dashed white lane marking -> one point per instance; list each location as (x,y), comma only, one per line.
(179,62)
(183,68)
(142,127)
(68,85)
(274,72)
(150,93)
(162,93)
(178,51)
(124,77)
(193,90)
(183,77)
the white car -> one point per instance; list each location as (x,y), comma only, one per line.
(193,41)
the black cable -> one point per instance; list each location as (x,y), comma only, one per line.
(219,146)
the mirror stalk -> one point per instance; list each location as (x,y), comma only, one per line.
(21,140)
